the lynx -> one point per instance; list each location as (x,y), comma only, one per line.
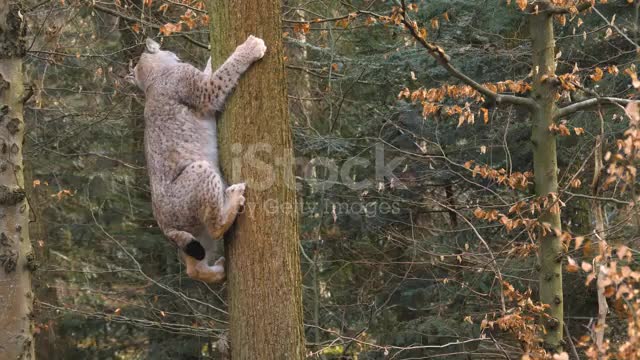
(190,200)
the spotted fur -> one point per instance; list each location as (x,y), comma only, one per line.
(191,202)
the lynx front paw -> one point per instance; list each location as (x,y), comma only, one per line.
(235,194)
(254,48)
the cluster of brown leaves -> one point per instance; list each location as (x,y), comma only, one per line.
(344,23)
(506,221)
(436,95)
(523,250)
(622,164)
(621,284)
(521,321)
(523,214)
(562,129)
(396,16)
(570,5)
(301,28)
(431,99)
(189,18)
(63,194)
(515,180)
(571,82)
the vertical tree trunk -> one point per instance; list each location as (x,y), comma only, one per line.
(597,213)
(16,257)
(263,265)
(546,174)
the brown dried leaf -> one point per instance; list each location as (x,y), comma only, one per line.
(522,4)
(572,266)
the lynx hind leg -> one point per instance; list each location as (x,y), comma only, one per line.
(197,254)
(234,200)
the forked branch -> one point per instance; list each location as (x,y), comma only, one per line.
(588,104)
(445,61)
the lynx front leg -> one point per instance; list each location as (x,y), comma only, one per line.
(222,82)
(234,199)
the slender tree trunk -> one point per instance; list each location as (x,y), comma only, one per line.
(597,212)
(16,256)
(263,257)
(546,175)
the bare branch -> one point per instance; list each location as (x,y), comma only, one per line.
(617,29)
(589,103)
(145,23)
(547,7)
(337,18)
(445,61)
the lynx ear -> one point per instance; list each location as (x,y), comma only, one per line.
(152,46)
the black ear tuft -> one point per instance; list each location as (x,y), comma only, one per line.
(195,250)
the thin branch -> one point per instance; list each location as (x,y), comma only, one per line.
(589,103)
(558,10)
(572,346)
(337,18)
(445,61)
(599,198)
(145,23)
(617,29)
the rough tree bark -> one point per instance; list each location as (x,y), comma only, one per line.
(545,170)
(263,265)
(16,256)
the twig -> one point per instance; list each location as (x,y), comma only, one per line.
(617,29)
(547,7)
(146,23)
(572,346)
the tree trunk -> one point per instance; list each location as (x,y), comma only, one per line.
(16,256)
(263,265)
(597,213)
(545,169)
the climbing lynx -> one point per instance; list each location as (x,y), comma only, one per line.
(191,202)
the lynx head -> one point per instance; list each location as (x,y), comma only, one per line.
(152,60)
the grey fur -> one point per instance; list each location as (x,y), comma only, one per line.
(190,200)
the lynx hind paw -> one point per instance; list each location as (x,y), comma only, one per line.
(211,274)
(218,266)
(235,192)
(200,270)
(255,47)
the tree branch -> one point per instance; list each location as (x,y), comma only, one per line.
(445,61)
(617,29)
(145,23)
(549,8)
(589,103)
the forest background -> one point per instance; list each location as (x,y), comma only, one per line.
(432,255)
